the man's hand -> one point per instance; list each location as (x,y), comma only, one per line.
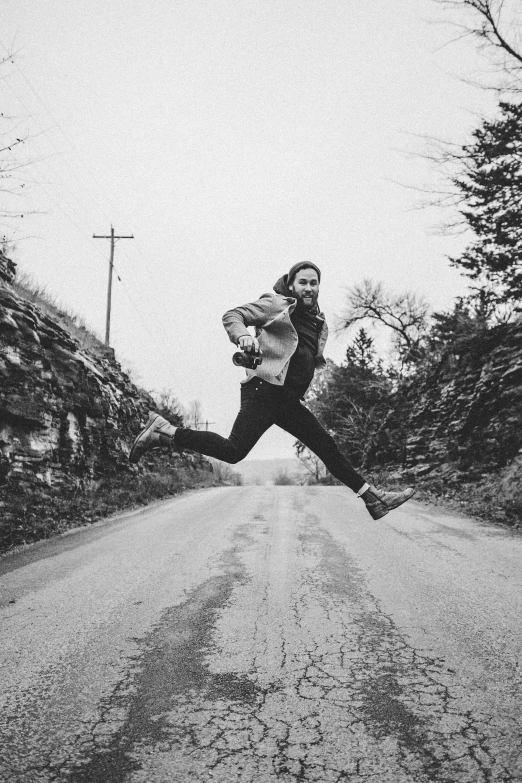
(249,344)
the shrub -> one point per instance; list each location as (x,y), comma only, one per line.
(224,474)
(282,477)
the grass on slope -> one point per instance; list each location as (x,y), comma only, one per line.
(28,518)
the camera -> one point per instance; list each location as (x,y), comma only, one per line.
(248,360)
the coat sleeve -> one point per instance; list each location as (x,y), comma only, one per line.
(256,313)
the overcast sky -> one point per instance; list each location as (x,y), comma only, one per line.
(232,138)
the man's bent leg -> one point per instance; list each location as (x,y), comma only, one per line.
(253,419)
(303,425)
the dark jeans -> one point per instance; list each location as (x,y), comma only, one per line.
(264,404)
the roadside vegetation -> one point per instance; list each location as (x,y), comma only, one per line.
(33,517)
(282,478)
(31,512)
(224,474)
(75,325)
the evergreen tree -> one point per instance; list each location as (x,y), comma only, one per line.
(491,189)
(354,401)
(361,352)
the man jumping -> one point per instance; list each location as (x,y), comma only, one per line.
(291,333)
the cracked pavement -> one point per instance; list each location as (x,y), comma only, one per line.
(264,633)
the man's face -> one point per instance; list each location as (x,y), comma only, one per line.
(305,287)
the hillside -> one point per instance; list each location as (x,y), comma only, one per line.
(68,415)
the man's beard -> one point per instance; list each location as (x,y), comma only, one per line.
(308,304)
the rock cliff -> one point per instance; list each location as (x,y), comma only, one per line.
(68,413)
(467,418)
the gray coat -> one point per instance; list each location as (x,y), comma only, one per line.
(276,334)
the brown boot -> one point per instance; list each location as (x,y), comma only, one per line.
(158,431)
(379,503)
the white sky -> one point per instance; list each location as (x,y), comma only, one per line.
(232,138)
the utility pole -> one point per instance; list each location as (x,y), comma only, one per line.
(113,239)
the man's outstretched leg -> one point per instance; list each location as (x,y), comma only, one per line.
(302,424)
(253,419)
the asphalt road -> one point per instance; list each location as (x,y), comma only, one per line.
(264,633)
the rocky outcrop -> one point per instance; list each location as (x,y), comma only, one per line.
(467,419)
(68,413)
(7,269)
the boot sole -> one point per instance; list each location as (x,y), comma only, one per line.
(379,516)
(137,440)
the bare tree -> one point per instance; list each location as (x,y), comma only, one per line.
(224,474)
(311,462)
(168,406)
(405,314)
(12,164)
(193,415)
(496,25)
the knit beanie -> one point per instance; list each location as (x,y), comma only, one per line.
(302,265)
